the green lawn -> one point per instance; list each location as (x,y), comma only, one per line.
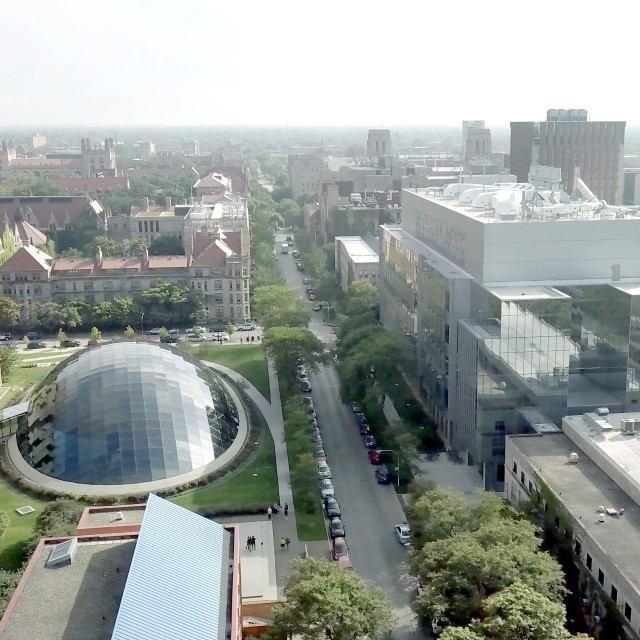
(248,360)
(22,378)
(253,487)
(20,527)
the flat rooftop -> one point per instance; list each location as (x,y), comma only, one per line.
(103,518)
(582,488)
(358,249)
(513,213)
(516,292)
(76,601)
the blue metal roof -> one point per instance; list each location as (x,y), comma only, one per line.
(175,582)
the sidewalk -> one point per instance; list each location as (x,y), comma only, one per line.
(281,526)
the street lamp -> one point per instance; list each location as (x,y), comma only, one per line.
(142,323)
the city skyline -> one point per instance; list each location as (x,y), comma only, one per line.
(351,64)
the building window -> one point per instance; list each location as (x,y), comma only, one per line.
(35,277)
(530,486)
(589,562)
(140,226)
(146,226)
(67,226)
(108,285)
(88,286)
(219,311)
(578,547)
(52,226)
(158,226)
(499,426)
(198,273)
(217,284)
(6,277)
(601,576)
(217,297)
(239,311)
(231,298)
(627,611)
(614,594)
(7,291)
(515,468)
(522,477)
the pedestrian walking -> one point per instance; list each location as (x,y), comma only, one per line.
(286,510)
(249,543)
(282,543)
(253,542)
(269,512)
(276,508)
(287,542)
(240,340)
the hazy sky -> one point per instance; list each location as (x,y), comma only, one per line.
(326,62)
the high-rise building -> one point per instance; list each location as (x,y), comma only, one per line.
(476,142)
(305,174)
(591,150)
(517,311)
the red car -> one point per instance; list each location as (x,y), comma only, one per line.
(340,549)
(374,456)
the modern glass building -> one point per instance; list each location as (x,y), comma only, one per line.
(127,413)
(521,314)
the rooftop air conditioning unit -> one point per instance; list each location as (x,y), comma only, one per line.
(573,458)
(603,411)
(627,425)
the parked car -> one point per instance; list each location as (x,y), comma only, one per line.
(6,337)
(364,428)
(403,533)
(323,469)
(246,326)
(316,307)
(312,297)
(70,343)
(196,329)
(305,386)
(320,455)
(316,439)
(220,336)
(374,456)
(155,331)
(332,508)
(336,528)
(307,401)
(174,332)
(370,442)
(339,548)
(439,623)
(383,476)
(33,335)
(326,488)
(34,344)
(313,422)
(306,280)
(301,373)
(360,417)
(309,290)
(195,337)
(356,408)
(296,253)
(169,339)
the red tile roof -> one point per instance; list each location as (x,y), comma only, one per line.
(73,264)
(129,264)
(238,177)
(200,244)
(27,258)
(91,185)
(39,210)
(216,254)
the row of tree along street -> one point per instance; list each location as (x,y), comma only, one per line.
(162,304)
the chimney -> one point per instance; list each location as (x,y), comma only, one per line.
(145,203)
(144,257)
(167,202)
(98,258)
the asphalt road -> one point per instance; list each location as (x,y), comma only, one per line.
(369,510)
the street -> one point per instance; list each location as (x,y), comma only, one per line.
(369,510)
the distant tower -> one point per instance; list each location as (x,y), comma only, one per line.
(476,142)
(100,160)
(379,143)
(7,154)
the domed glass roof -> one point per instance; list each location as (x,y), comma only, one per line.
(127,413)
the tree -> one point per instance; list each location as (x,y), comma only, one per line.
(521,612)
(110,248)
(230,328)
(62,336)
(96,334)
(52,315)
(281,193)
(28,185)
(9,313)
(137,248)
(291,212)
(362,297)
(165,303)
(280,306)
(166,246)
(8,582)
(460,633)
(59,518)
(118,312)
(325,601)
(70,253)
(8,361)
(286,345)
(129,333)
(373,360)
(164,332)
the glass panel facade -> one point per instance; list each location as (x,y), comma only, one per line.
(126,413)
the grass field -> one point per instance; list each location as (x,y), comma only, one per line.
(22,378)
(248,360)
(20,527)
(253,487)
